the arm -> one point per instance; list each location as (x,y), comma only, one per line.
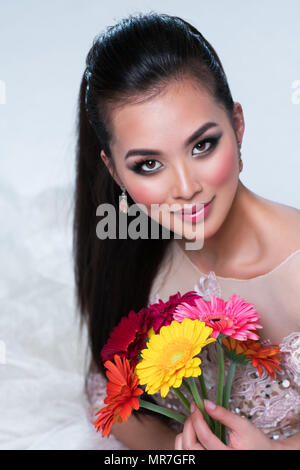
(291,443)
(147,433)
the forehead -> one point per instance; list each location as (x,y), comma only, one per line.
(174,113)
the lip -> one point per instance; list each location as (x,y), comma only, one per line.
(194,215)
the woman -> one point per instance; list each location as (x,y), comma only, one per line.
(157,119)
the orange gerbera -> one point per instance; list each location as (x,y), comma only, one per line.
(122,391)
(266,357)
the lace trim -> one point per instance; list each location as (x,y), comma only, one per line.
(95,393)
(272,405)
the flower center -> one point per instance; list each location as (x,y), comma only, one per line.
(176,357)
(216,317)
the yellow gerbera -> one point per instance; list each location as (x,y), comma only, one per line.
(169,355)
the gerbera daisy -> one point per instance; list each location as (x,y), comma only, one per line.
(122,391)
(170,355)
(162,312)
(266,356)
(129,336)
(233,318)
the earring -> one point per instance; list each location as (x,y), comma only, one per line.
(240,154)
(123,205)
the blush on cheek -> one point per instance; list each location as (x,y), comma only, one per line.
(147,195)
(224,168)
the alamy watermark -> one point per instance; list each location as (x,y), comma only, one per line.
(296,94)
(160,214)
(2,352)
(2,92)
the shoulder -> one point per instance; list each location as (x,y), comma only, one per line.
(278,226)
(288,226)
(283,227)
(284,232)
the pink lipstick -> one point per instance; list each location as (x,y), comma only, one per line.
(194,215)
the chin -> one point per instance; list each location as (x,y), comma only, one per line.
(188,232)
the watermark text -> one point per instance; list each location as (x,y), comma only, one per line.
(2,92)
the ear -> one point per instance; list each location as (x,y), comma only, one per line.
(110,167)
(238,119)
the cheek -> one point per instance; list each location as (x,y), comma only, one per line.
(147,193)
(224,169)
(151,195)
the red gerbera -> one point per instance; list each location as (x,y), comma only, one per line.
(162,312)
(128,338)
(122,391)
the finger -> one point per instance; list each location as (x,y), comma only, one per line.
(205,436)
(189,437)
(231,420)
(178,442)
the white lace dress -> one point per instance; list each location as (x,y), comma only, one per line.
(272,405)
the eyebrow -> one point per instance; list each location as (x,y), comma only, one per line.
(188,141)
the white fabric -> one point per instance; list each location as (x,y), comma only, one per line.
(42,354)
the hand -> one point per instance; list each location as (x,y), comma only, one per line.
(243,435)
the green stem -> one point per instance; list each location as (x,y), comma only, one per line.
(187,386)
(203,386)
(227,388)
(220,383)
(205,397)
(198,399)
(163,411)
(182,398)
(226,394)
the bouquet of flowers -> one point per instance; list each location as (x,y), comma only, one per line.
(159,346)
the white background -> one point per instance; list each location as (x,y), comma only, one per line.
(43,47)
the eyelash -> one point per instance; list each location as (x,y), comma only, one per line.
(137,166)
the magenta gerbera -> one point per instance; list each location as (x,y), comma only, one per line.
(162,312)
(235,318)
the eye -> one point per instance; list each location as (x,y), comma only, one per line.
(206,144)
(150,164)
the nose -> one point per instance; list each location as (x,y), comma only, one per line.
(186,184)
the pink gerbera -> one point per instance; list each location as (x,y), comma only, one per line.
(235,318)
(162,312)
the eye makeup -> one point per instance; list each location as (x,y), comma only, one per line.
(213,141)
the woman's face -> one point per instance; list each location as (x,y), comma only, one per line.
(177,171)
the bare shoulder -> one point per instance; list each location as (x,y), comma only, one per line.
(285,225)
